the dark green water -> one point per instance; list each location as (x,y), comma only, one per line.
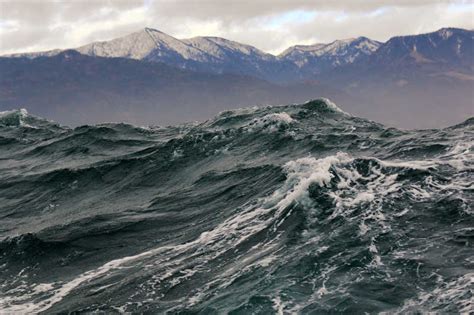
(292,209)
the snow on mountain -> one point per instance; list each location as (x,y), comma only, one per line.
(208,54)
(233,57)
(222,48)
(137,45)
(219,55)
(320,57)
(199,53)
(153,45)
(147,44)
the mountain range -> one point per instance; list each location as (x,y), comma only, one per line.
(219,55)
(417,81)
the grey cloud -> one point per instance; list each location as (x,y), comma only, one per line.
(84,10)
(34,24)
(245,9)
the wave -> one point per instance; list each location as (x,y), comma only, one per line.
(284,209)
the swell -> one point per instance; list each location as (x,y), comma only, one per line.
(298,209)
(279,217)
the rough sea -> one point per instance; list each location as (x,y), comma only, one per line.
(297,209)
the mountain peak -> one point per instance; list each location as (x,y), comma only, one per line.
(69,54)
(453,29)
(219,47)
(150,30)
(446,33)
(446,45)
(146,44)
(326,56)
(345,41)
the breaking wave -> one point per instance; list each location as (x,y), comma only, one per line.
(288,209)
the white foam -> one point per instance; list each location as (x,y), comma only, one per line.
(23,112)
(363,197)
(10,304)
(353,190)
(280,117)
(333,106)
(267,261)
(454,293)
(271,122)
(177,154)
(322,290)
(278,306)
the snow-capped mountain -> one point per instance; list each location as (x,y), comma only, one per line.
(218,55)
(445,56)
(226,56)
(448,46)
(147,44)
(318,58)
(204,54)
(223,49)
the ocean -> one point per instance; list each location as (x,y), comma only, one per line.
(296,209)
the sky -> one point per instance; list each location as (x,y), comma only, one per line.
(270,25)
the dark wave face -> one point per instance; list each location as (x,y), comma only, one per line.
(289,209)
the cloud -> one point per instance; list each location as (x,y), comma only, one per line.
(271,25)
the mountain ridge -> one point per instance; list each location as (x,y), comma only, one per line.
(299,62)
(317,58)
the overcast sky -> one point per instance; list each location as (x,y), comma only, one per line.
(271,25)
